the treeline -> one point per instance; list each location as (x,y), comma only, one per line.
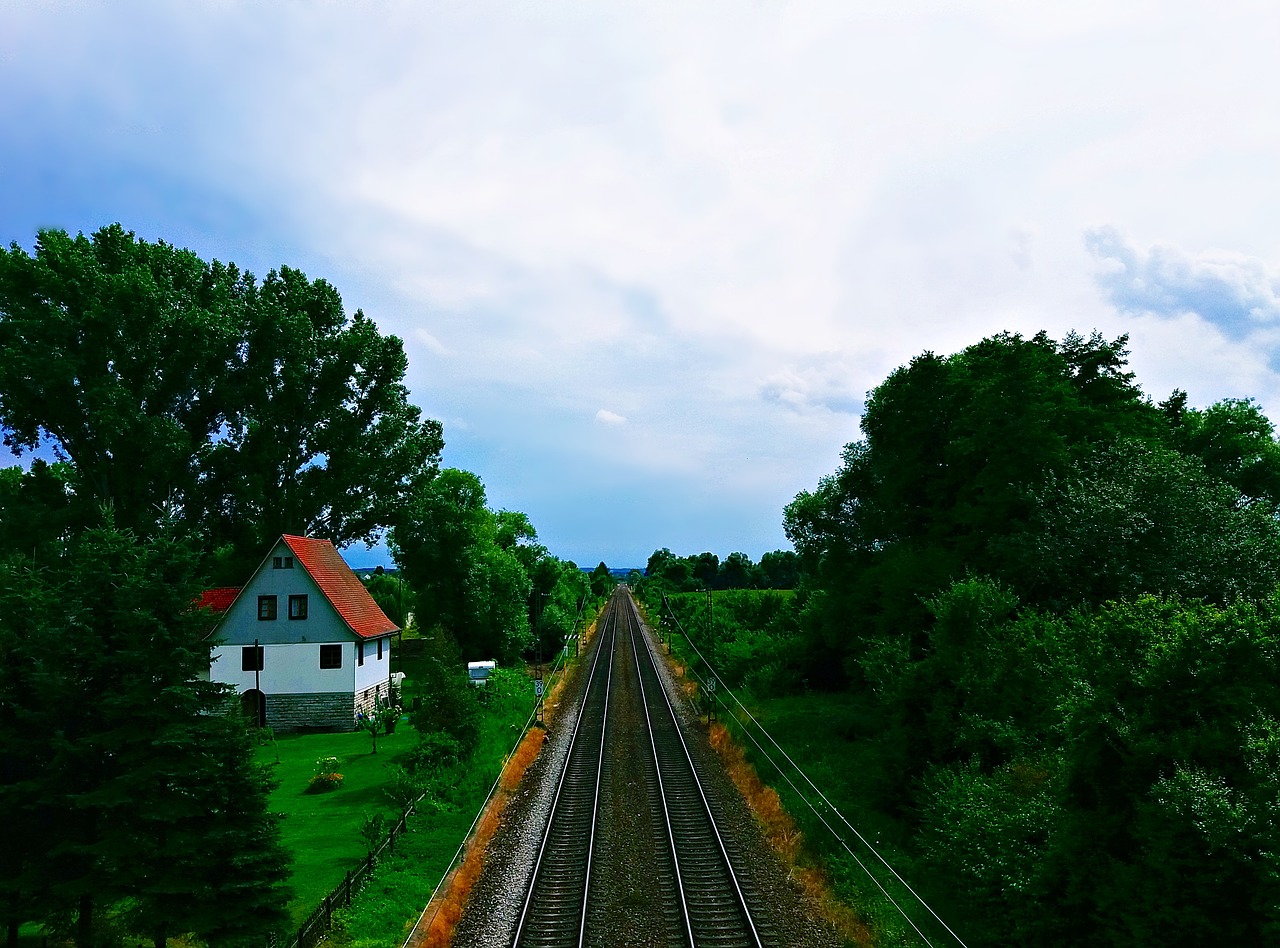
(1055,601)
(192,414)
(779,569)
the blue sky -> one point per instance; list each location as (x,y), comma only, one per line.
(648,258)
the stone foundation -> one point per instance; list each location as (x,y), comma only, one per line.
(333,711)
(366,700)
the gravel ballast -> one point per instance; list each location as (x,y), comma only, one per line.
(630,905)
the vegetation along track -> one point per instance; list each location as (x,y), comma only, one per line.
(632,851)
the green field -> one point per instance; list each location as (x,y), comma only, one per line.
(322,830)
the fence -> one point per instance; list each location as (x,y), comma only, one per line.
(311,932)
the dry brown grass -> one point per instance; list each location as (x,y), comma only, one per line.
(785,837)
(446,908)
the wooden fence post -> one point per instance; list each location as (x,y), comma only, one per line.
(348,900)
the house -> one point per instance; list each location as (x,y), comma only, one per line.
(303,642)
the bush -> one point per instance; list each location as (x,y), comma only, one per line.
(449,703)
(326,777)
(434,751)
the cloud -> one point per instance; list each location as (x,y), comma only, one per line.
(1238,294)
(606,417)
(821,384)
(729,220)
(430,342)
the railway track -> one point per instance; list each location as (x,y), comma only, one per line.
(627,723)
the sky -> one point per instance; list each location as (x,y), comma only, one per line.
(648,258)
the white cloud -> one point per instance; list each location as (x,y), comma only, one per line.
(698,213)
(826,383)
(430,342)
(1238,294)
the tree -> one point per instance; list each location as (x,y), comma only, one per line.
(736,572)
(392,597)
(779,569)
(1237,444)
(1136,518)
(172,384)
(601,580)
(446,542)
(139,789)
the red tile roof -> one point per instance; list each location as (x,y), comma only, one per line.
(341,587)
(219,600)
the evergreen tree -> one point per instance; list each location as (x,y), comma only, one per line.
(147,789)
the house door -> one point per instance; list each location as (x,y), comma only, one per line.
(254,705)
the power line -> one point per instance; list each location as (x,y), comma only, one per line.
(822,797)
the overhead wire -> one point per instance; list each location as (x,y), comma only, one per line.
(822,796)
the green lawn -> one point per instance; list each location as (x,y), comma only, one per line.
(322,830)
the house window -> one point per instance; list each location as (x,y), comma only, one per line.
(266,607)
(282,562)
(330,656)
(359,653)
(251,658)
(379,649)
(297,607)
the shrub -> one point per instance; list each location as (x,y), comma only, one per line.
(373,829)
(434,751)
(326,777)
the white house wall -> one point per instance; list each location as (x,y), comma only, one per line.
(287,669)
(374,672)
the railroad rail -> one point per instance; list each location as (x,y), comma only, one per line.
(702,900)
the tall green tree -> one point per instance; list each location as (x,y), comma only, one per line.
(249,409)
(141,790)
(446,542)
(1135,518)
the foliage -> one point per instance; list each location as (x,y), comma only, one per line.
(1055,602)
(1131,518)
(669,573)
(326,765)
(449,703)
(480,576)
(373,829)
(392,596)
(749,637)
(171,384)
(460,778)
(324,783)
(382,720)
(446,544)
(126,784)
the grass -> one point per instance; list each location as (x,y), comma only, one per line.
(322,830)
(389,904)
(823,733)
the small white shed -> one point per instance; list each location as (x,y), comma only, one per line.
(479,672)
